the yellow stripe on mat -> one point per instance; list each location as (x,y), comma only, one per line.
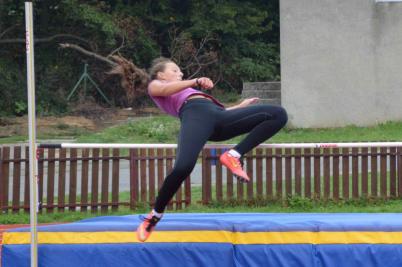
(209,237)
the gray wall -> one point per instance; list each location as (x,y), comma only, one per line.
(341,62)
(268,92)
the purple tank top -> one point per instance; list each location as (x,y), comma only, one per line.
(172,104)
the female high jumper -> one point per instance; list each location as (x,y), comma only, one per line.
(202,118)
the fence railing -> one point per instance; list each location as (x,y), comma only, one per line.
(320,173)
(102,178)
(86,179)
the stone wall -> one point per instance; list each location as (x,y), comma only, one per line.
(268,92)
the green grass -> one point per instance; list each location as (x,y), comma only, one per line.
(13,139)
(290,205)
(164,129)
(62,131)
(390,131)
(155,129)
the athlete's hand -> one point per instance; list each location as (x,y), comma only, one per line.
(204,83)
(249,101)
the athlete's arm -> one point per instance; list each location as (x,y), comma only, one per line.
(244,103)
(160,88)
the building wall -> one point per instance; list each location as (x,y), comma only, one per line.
(341,62)
(268,92)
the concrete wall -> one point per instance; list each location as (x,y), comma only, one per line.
(341,62)
(268,92)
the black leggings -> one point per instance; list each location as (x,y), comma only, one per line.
(202,120)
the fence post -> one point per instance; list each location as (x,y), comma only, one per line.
(50,180)
(1,177)
(72,199)
(269,188)
(206,176)
(187,191)
(143,174)
(95,180)
(16,179)
(278,169)
(115,179)
(298,169)
(5,166)
(327,173)
(364,153)
(355,173)
(133,178)
(41,160)
(250,170)
(26,181)
(392,170)
(218,171)
(399,171)
(307,172)
(288,172)
(335,173)
(151,164)
(373,175)
(317,173)
(62,181)
(84,179)
(258,155)
(169,167)
(345,173)
(105,180)
(383,172)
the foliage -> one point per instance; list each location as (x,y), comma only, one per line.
(230,41)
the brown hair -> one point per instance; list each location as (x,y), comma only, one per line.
(133,79)
(158,65)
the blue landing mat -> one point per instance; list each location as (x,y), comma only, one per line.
(225,239)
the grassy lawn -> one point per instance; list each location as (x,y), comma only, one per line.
(164,129)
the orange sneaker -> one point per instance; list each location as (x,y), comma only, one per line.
(234,165)
(145,229)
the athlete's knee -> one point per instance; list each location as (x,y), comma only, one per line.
(183,169)
(282,115)
(277,113)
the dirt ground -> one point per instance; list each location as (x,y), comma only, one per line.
(84,117)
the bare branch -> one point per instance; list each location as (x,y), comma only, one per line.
(195,73)
(88,53)
(204,64)
(230,85)
(203,42)
(117,49)
(47,39)
(7,30)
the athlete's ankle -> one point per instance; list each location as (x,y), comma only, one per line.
(234,153)
(157,214)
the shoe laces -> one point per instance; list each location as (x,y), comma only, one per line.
(152,221)
(236,162)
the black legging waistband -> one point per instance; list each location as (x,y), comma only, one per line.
(187,102)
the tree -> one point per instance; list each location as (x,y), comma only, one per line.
(230,41)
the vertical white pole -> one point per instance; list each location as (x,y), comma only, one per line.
(33,175)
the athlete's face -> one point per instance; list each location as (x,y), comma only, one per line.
(171,73)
